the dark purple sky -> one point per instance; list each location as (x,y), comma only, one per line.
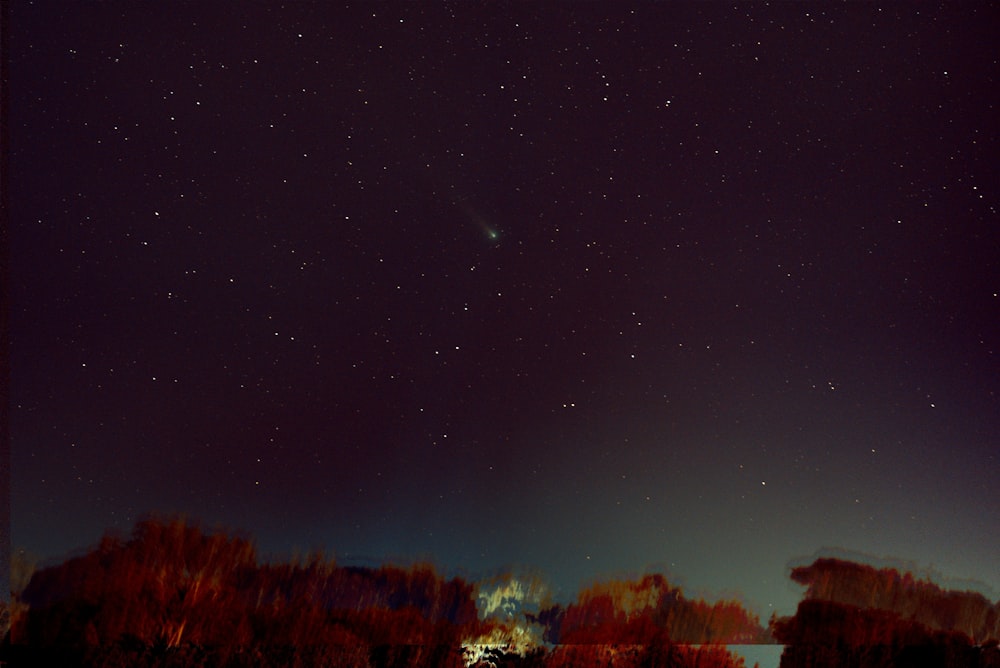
(700,288)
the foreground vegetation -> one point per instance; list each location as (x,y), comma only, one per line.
(856,615)
(172,594)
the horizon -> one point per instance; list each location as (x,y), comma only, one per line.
(190,591)
(551,591)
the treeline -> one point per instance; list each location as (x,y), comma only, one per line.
(886,589)
(640,612)
(172,594)
(175,595)
(857,615)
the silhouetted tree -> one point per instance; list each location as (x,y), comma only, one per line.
(886,589)
(856,615)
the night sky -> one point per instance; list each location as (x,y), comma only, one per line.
(579,287)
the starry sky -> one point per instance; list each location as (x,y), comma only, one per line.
(588,288)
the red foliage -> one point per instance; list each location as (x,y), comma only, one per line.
(173,586)
(646,611)
(662,654)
